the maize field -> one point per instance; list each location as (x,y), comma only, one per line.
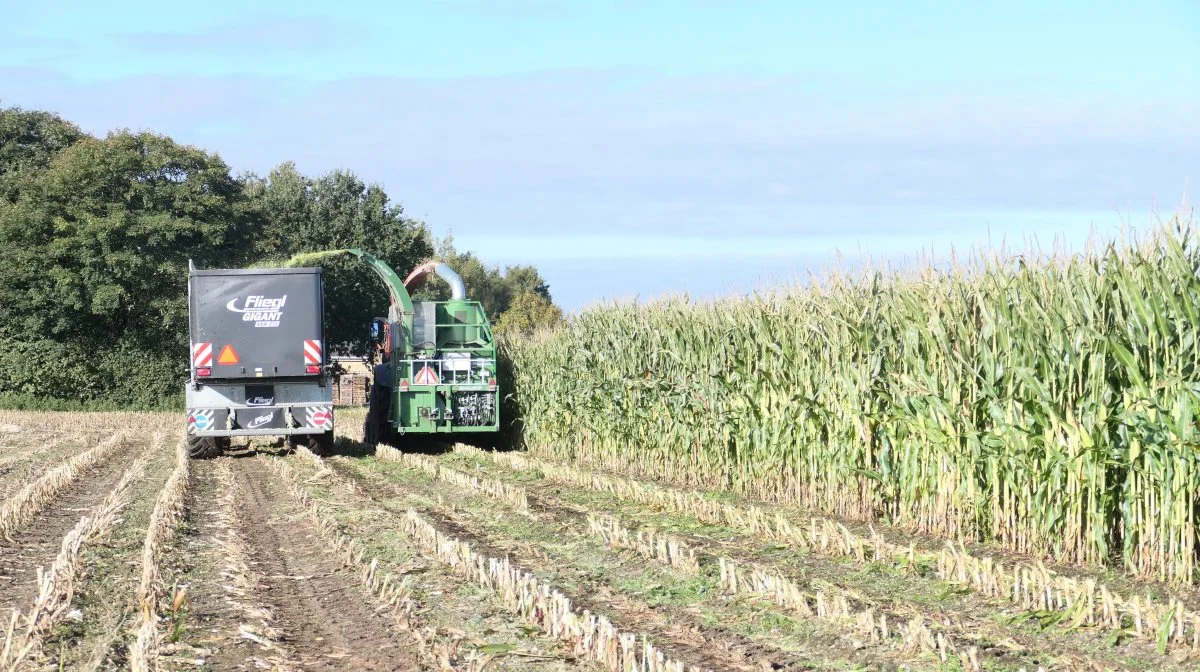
(981,469)
(1045,405)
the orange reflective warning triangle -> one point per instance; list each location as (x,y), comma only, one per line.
(426,376)
(228,355)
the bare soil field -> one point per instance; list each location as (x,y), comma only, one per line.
(119,553)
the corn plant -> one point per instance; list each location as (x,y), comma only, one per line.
(1045,403)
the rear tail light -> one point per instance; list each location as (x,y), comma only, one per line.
(312,368)
(204,372)
(404,386)
(491,383)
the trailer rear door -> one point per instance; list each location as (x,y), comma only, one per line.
(257,323)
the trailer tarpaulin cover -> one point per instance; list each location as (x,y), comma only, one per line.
(257,320)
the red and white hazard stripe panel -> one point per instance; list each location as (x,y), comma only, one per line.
(320,417)
(312,352)
(202,354)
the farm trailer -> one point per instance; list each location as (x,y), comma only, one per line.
(258,361)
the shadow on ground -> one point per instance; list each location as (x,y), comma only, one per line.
(413,443)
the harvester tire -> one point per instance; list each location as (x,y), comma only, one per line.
(204,447)
(375,429)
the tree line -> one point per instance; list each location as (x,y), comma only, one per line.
(96,234)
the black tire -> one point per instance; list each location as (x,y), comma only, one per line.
(205,447)
(320,444)
(375,426)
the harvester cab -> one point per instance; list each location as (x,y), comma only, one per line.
(437,360)
(380,337)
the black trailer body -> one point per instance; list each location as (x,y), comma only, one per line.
(258,359)
(259,323)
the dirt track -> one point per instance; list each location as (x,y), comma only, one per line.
(325,619)
(37,543)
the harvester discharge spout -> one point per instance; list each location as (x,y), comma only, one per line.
(458,288)
(401,299)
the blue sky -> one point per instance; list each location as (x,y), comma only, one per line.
(635,148)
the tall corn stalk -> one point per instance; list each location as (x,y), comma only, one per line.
(1045,403)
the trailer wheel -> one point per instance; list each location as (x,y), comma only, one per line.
(204,447)
(321,444)
(375,427)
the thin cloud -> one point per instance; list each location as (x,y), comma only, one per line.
(289,34)
(511,9)
(591,151)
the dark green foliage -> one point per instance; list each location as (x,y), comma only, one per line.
(95,238)
(100,240)
(93,264)
(28,140)
(332,212)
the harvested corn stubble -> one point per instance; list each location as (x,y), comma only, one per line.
(1030,585)
(152,591)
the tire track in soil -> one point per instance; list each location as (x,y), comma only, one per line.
(22,465)
(109,579)
(37,544)
(676,633)
(325,618)
(193,561)
(28,464)
(454,613)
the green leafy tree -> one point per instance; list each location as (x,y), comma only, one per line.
(93,267)
(526,279)
(29,140)
(335,211)
(527,312)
